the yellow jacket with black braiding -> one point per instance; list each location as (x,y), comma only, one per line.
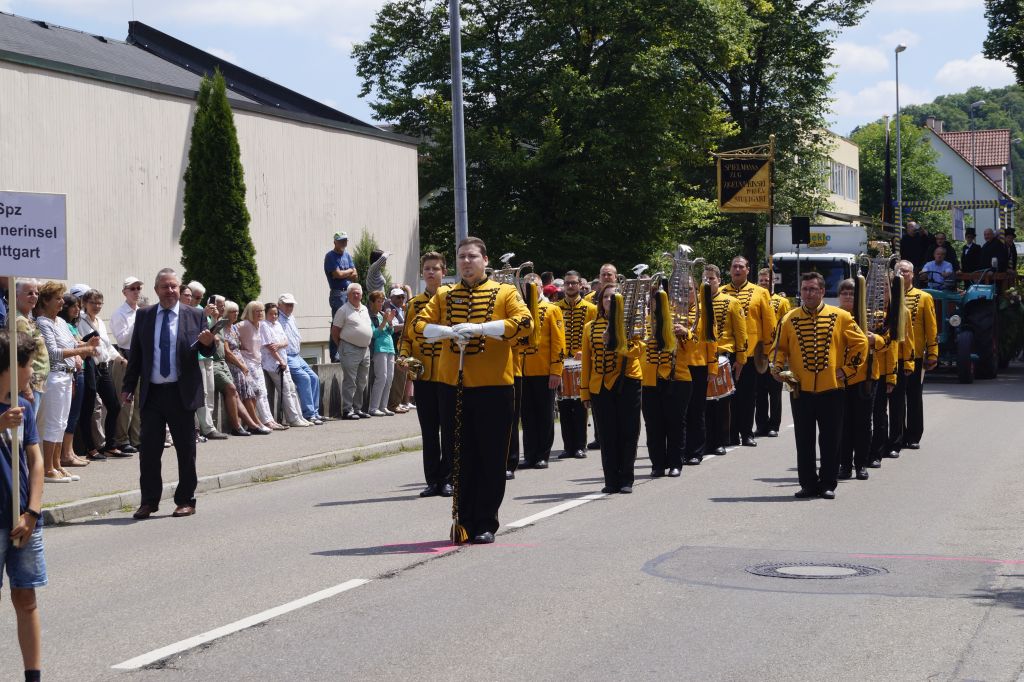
(601,368)
(758,311)
(731,326)
(488,361)
(573,318)
(413,345)
(814,343)
(922,316)
(694,351)
(546,357)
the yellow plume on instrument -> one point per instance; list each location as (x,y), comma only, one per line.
(661,321)
(617,340)
(897,321)
(707,313)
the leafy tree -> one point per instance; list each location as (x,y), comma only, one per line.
(216,248)
(1005,39)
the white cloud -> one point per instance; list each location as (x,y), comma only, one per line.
(876,100)
(226,55)
(932,6)
(960,74)
(859,58)
(343,43)
(902,35)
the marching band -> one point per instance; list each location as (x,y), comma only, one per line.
(705,364)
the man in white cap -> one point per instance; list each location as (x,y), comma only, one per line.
(307,384)
(341,271)
(122,324)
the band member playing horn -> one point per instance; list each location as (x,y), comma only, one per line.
(926,355)
(822,346)
(478,320)
(768,401)
(572,415)
(732,344)
(611,385)
(437,452)
(889,411)
(542,374)
(760,316)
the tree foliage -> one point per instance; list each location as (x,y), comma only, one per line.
(1005,39)
(216,248)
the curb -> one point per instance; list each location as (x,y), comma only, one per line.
(104,504)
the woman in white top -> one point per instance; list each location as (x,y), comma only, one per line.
(273,351)
(65,359)
(250,347)
(90,322)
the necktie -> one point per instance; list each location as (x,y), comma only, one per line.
(165,344)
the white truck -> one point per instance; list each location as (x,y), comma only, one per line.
(833,252)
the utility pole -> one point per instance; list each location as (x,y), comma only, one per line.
(458,127)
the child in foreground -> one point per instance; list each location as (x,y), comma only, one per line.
(25,566)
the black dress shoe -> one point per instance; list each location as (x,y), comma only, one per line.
(431,491)
(912,446)
(565,454)
(657,473)
(240,432)
(862,474)
(748,441)
(693,461)
(593,445)
(580,454)
(351,416)
(626,489)
(485,538)
(845,473)
(720,451)
(145,511)
(363,415)
(447,490)
(893,454)
(128,448)
(804,493)
(541,464)
(609,490)
(509,475)
(828,494)
(773,434)
(674,472)
(875,464)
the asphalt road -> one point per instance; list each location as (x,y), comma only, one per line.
(653,585)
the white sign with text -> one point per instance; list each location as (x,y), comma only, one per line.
(33,235)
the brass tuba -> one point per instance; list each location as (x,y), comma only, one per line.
(681,291)
(875,310)
(513,274)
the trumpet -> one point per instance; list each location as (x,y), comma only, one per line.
(508,273)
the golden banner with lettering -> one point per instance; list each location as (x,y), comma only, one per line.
(744,185)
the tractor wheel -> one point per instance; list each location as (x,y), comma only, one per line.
(988,361)
(964,364)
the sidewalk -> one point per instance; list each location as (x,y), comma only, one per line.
(110,485)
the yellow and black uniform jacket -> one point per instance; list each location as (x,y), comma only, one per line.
(664,364)
(878,344)
(694,351)
(573,318)
(488,361)
(898,356)
(814,343)
(413,345)
(922,314)
(731,326)
(757,309)
(602,368)
(780,306)
(546,357)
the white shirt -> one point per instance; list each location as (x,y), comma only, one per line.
(106,351)
(355,325)
(123,325)
(155,376)
(272,333)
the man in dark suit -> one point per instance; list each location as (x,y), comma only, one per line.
(994,250)
(971,259)
(165,357)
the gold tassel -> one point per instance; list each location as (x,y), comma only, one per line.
(459,535)
(860,302)
(661,317)
(707,313)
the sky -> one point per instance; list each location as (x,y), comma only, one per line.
(306,45)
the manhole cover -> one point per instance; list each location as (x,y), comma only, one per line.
(813,571)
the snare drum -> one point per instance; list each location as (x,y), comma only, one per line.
(572,374)
(721,385)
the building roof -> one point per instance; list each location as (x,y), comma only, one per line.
(152,60)
(977,170)
(991,147)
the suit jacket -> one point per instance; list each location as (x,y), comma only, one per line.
(191,322)
(971,259)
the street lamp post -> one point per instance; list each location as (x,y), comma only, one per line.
(899,148)
(458,127)
(974,167)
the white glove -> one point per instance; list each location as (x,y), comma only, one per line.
(439,331)
(471,329)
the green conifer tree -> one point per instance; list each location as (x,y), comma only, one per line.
(216,248)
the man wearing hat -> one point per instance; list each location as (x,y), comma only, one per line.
(307,384)
(970,258)
(122,324)
(1011,248)
(341,271)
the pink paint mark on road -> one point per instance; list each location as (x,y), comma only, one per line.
(918,557)
(435,547)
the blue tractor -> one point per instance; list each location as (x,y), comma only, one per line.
(968,330)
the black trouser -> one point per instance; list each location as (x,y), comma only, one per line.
(538,412)
(742,424)
(914,429)
(717,415)
(879,420)
(486,425)
(104,388)
(696,430)
(617,411)
(163,410)
(855,449)
(821,413)
(897,413)
(572,417)
(512,452)
(437,450)
(768,404)
(664,408)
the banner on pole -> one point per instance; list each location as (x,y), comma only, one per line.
(958,223)
(744,185)
(33,235)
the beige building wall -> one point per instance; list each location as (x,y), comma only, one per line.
(119,154)
(843,175)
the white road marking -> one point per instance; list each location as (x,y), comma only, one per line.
(558,509)
(192,642)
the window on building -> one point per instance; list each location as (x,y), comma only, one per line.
(836,178)
(852,186)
